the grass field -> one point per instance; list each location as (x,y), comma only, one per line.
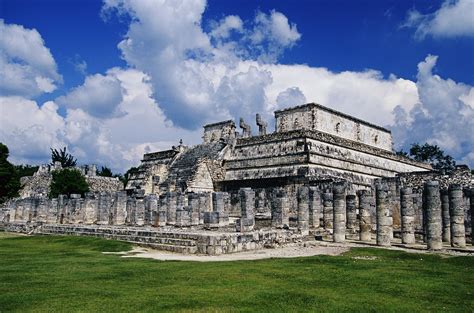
(71,274)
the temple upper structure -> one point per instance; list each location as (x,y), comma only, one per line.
(311,143)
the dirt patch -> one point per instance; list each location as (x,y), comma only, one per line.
(290,251)
(305,249)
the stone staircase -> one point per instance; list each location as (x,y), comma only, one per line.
(162,240)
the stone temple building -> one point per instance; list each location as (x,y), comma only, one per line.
(320,174)
(310,145)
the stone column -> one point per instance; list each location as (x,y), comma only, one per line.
(104,208)
(193,205)
(62,212)
(315,207)
(247,202)
(183,217)
(471,202)
(218,217)
(162,212)
(407,211)
(91,208)
(151,209)
(432,208)
(351,214)
(280,208)
(53,211)
(42,210)
(205,205)
(446,220)
(131,211)
(327,210)
(339,212)
(303,210)
(456,208)
(365,198)
(383,215)
(119,210)
(171,208)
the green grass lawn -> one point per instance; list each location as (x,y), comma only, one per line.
(46,273)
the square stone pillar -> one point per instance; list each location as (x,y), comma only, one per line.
(247,204)
(280,208)
(303,210)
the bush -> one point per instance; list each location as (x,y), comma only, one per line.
(68,181)
(9,182)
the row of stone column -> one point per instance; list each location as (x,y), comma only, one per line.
(443,212)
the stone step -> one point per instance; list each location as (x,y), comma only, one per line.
(169,247)
(134,238)
(119,232)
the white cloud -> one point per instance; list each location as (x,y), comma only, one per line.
(444,115)
(28,129)
(198,77)
(28,68)
(118,141)
(225,26)
(271,35)
(453,19)
(99,96)
(290,97)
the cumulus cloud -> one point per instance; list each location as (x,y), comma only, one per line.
(272,34)
(181,77)
(28,68)
(290,97)
(453,19)
(29,130)
(224,28)
(117,141)
(194,72)
(443,116)
(99,96)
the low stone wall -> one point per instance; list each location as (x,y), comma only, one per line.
(201,242)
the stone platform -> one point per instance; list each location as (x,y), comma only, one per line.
(169,239)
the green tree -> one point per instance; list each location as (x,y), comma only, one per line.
(66,159)
(105,172)
(68,181)
(128,174)
(25,170)
(431,154)
(9,182)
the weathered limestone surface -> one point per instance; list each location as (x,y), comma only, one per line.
(315,207)
(247,201)
(383,214)
(432,208)
(456,208)
(119,210)
(408,215)
(339,213)
(218,217)
(471,201)
(280,209)
(171,206)
(446,220)
(351,214)
(328,210)
(365,199)
(303,210)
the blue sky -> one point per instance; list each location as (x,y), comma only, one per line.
(407,65)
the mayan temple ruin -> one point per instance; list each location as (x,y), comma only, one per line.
(321,174)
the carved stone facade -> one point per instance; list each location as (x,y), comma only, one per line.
(311,144)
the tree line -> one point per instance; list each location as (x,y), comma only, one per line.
(67,181)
